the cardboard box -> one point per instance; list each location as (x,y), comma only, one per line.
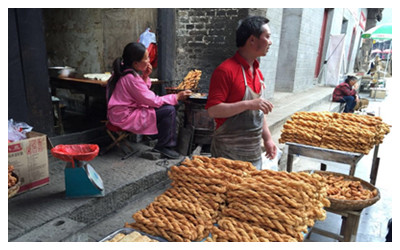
(30,160)
(378,93)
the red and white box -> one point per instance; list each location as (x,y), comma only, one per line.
(30,160)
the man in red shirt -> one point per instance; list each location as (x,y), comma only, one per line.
(235,98)
(346,93)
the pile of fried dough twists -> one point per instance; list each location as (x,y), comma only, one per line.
(216,199)
(131,237)
(339,131)
(11,179)
(191,80)
(342,189)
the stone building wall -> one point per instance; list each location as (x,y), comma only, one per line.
(269,63)
(288,48)
(310,32)
(90,39)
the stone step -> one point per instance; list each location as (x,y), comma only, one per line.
(285,104)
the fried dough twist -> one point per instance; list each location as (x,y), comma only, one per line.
(346,131)
(250,205)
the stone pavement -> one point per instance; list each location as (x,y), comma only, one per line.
(46,215)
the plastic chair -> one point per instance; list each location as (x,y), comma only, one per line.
(119,138)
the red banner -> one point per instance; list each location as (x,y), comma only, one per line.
(363,20)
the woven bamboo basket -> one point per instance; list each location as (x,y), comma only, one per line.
(14,189)
(351,205)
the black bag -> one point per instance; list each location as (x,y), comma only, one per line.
(389,234)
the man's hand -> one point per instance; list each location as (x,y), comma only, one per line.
(270,149)
(225,110)
(262,104)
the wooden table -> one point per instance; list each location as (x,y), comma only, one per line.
(82,80)
(344,157)
(87,87)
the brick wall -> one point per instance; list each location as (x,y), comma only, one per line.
(204,39)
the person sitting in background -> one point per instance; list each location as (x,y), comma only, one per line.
(133,107)
(375,66)
(346,93)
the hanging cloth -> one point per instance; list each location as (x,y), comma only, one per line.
(148,39)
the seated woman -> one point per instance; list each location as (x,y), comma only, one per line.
(133,107)
(346,93)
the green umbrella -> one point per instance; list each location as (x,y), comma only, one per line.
(380,32)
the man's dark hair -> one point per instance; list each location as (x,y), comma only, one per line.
(249,26)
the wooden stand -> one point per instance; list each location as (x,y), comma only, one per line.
(350,219)
(348,230)
(332,155)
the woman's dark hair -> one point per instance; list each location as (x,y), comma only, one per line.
(133,52)
(249,26)
(350,78)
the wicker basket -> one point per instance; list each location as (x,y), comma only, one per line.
(14,189)
(351,205)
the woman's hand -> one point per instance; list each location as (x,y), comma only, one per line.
(183,95)
(147,71)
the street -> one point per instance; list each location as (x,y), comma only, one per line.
(374,219)
(117,174)
(373,222)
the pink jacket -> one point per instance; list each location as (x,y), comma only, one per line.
(131,106)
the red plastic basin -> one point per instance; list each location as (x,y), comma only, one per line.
(71,152)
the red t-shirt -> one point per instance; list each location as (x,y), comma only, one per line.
(227,82)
